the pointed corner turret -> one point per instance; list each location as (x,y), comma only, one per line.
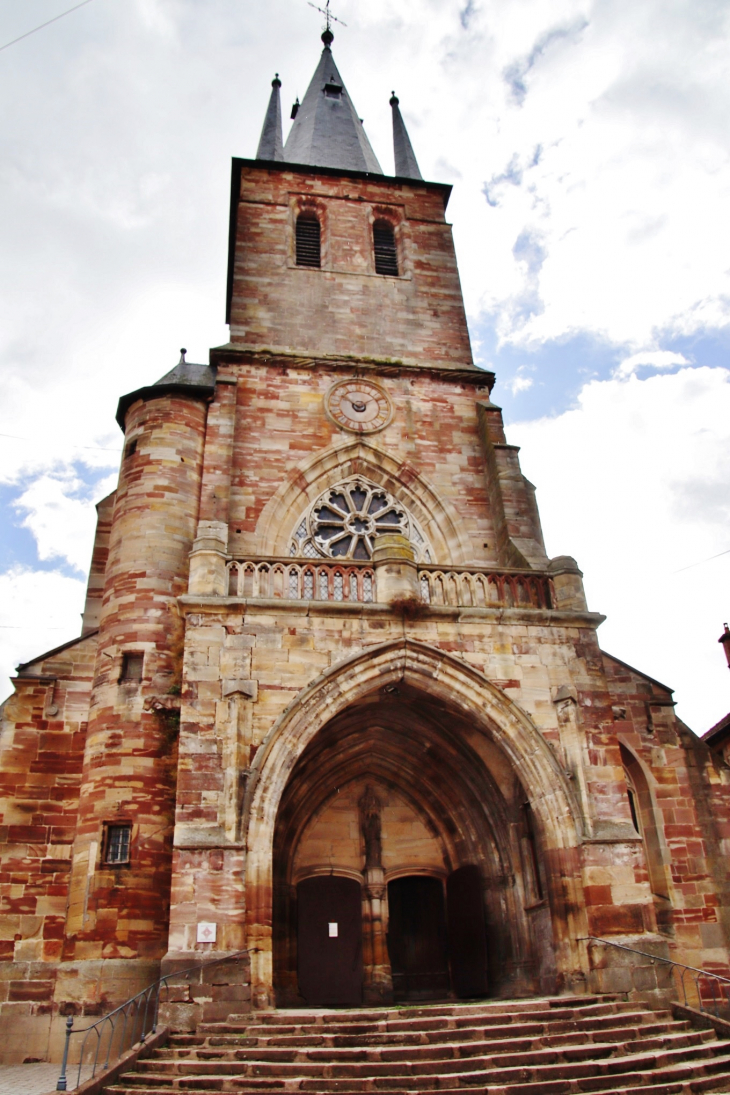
(271,145)
(406,165)
(327,130)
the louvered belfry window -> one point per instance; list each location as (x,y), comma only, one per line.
(308,240)
(386,255)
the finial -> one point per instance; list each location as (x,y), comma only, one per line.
(328,38)
(183,351)
(276,82)
(394,99)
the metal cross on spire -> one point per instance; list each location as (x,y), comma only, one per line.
(327,14)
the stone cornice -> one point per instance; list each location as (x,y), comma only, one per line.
(284,359)
(265,605)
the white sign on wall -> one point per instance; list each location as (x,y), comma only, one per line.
(334,929)
(207,932)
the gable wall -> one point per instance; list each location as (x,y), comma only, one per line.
(41,754)
(691,794)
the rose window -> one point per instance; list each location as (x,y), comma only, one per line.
(344,522)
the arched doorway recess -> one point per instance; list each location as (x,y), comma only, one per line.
(435,745)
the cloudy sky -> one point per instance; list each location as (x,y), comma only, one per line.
(588,145)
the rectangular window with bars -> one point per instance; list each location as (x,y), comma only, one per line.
(117,844)
(308,240)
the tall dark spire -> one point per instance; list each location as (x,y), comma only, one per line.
(271,145)
(327,131)
(406,165)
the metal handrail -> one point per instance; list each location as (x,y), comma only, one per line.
(714,979)
(137,1017)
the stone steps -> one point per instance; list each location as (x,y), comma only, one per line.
(548,1046)
(632,1026)
(204,1061)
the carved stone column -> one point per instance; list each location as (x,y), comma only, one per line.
(378,980)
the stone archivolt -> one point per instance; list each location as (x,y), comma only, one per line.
(299,764)
(325,469)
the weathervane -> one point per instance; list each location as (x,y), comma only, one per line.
(327,14)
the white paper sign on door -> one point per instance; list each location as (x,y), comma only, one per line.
(334,929)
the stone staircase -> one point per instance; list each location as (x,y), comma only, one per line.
(545,1046)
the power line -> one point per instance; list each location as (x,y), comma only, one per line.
(47,24)
(708,560)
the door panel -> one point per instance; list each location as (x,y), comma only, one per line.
(417,938)
(467,934)
(330,959)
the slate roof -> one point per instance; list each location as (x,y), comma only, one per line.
(327,131)
(406,165)
(197,381)
(271,144)
(717,733)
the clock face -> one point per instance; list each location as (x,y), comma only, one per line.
(359,405)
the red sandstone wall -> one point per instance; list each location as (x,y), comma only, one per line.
(41,754)
(345,308)
(99,559)
(281,426)
(691,800)
(130,759)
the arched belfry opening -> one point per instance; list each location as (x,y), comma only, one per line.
(402,868)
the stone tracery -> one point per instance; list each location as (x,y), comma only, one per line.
(345,520)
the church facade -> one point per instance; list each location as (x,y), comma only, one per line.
(334,712)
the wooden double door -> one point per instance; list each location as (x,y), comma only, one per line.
(436,938)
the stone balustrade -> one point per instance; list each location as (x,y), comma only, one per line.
(471,588)
(465,587)
(301,581)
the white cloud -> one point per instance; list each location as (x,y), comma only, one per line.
(60,513)
(655,359)
(633,484)
(39,610)
(519,383)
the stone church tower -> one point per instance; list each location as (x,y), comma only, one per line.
(333,710)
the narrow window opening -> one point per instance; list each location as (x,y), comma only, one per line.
(131,448)
(132,664)
(386,255)
(532,847)
(118,842)
(634,811)
(308,234)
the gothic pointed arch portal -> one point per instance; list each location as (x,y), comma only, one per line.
(463,781)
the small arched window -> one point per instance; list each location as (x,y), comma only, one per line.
(308,240)
(386,254)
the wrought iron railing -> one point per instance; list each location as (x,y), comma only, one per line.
(711,988)
(129,1025)
(472,588)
